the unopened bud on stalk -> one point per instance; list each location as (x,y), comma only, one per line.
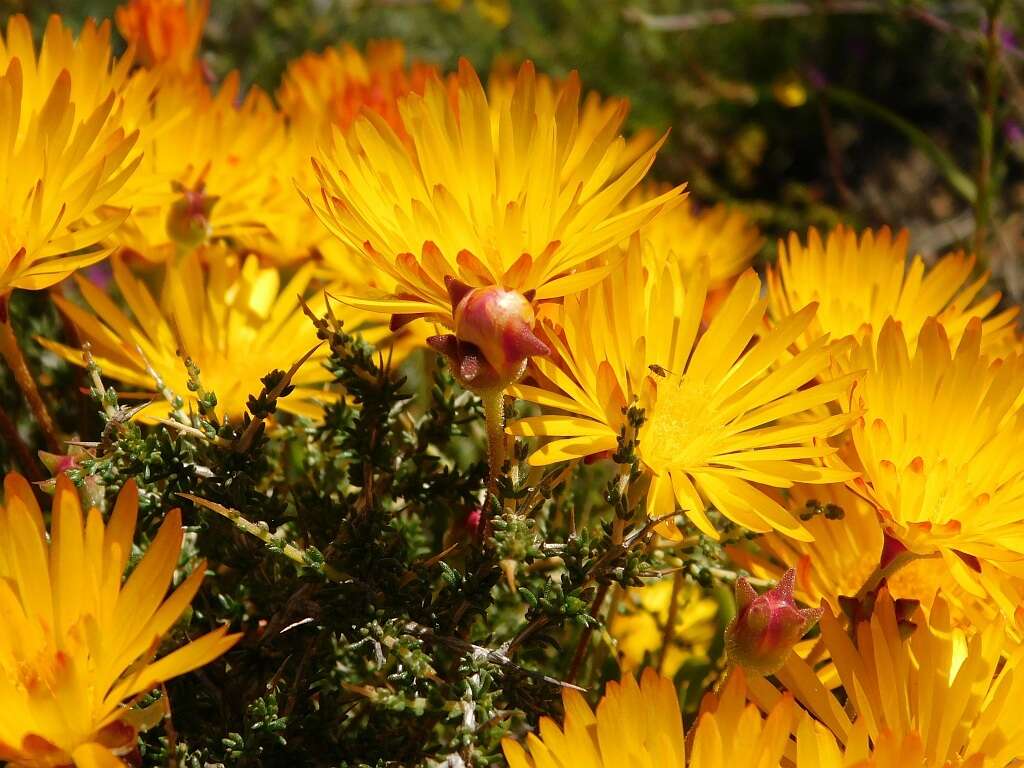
(57,464)
(767,626)
(188,222)
(493,335)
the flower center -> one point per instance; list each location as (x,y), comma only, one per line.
(684,430)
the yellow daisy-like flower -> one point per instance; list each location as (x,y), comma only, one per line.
(639,627)
(525,206)
(67,120)
(861,282)
(723,237)
(78,644)
(845,553)
(714,402)
(817,748)
(221,154)
(957,698)
(235,321)
(321,91)
(941,448)
(640,726)
(595,113)
(164,33)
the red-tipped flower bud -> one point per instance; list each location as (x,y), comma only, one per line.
(57,464)
(767,626)
(188,221)
(493,335)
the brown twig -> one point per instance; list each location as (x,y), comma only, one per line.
(716,17)
(500,657)
(11,352)
(14,442)
(584,641)
(669,631)
(835,159)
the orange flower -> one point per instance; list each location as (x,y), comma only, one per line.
(165,33)
(320,92)
(335,86)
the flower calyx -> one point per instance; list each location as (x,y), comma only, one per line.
(493,336)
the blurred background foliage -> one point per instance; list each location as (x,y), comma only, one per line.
(802,113)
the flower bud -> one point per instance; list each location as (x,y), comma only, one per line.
(767,626)
(188,222)
(493,335)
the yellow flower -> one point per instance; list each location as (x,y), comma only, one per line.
(861,282)
(724,237)
(844,554)
(713,401)
(236,322)
(78,646)
(226,148)
(958,698)
(525,206)
(941,448)
(790,90)
(639,627)
(595,114)
(68,119)
(497,12)
(318,91)
(817,748)
(164,33)
(640,726)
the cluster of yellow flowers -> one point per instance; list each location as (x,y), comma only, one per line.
(517,218)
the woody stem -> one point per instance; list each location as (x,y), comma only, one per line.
(23,376)
(494,416)
(669,632)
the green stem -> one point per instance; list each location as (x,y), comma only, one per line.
(956,178)
(262,533)
(986,132)
(494,416)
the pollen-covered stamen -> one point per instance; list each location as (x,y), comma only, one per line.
(768,626)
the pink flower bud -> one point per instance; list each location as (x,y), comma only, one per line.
(188,221)
(57,463)
(767,626)
(493,335)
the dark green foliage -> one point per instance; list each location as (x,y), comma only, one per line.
(388,620)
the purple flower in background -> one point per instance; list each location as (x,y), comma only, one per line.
(1012,132)
(1007,38)
(100,274)
(816,78)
